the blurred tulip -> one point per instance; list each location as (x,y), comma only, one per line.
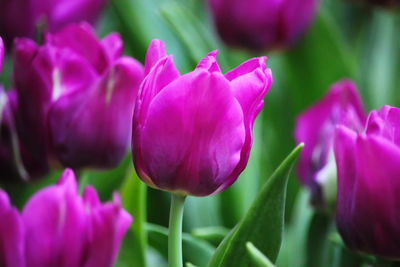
(368,166)
(262,24)
(22,18)
(315,127)
(11,234)
(76,97)
(59,228)
(193,133)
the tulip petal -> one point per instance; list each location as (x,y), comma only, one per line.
(11,235)
(202,134)
(367,213)
(113,45)
(108,224)
(162,74)
(54,220)
(209,62)
(316,125)
(250,83)
(155,52)
(98,129)
(385,123)
(82,41)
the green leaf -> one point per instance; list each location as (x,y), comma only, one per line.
(318,244)
(191,31)
(293,251)
(195,251)
(133,196)
(211,234)
(263,223)
(257,257)
(141,22)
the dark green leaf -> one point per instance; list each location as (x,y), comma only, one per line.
(133,196)
(263,223)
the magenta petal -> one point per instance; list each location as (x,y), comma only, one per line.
(367,209)
(82,40)
(344,148)
(94,129)
(202,134)
(11,235)
(316,125)
(247,67)
(55,221)
(250,83)
(108,224)
(209,62)
(113,46)
(385,123)
(163,73)
(155,52)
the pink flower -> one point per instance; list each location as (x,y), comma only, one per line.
(192,133)
(57,227)
(76,96)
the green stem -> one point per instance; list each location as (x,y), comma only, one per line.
(175,231)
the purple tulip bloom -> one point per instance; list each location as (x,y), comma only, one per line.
(192,133)
(262,24)
(22,18)
(59,228)
(315,127)
(76,96)
(368,165)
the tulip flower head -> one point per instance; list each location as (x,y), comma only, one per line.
(316,127)
(59,228)
(262,24)
(76,96)
(368,165)
(192,133)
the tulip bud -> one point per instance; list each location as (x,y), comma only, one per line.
(76,96)
(315,127)
(192,133)
(22,18)
(368,165)
(262,24)
(59,228)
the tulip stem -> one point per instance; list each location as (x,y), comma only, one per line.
(175,231)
